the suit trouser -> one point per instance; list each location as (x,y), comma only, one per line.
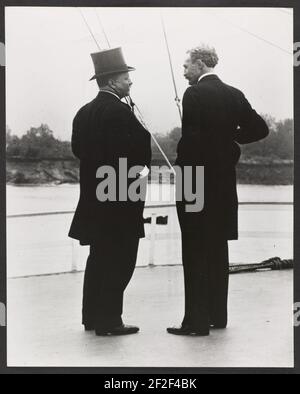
(109,268)
(206,273)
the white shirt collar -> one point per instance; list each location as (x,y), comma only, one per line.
(206,75)
(107,91)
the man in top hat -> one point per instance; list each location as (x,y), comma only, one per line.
(105,131)
(216,119)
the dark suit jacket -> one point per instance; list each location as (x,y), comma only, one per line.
(216,119)
(104,131)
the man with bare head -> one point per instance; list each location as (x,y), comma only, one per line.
(216,119)
(200,61)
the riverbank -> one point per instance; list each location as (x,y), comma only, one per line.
(42,172)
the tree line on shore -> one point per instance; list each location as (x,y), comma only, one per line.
(277,147)
(39,143)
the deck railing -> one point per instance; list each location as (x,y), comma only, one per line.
(75,255)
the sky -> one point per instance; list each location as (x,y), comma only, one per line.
(48,63)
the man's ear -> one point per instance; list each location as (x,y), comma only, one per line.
(200,64)
(111,83)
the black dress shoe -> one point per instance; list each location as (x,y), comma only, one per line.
(188,331)
(119,330)
(218,324)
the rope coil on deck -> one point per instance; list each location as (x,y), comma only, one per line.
(274,264)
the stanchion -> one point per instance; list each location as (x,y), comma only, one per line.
(75,256)
(152,240)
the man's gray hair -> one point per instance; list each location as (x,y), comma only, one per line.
(206,54)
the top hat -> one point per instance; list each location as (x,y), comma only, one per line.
(110,61)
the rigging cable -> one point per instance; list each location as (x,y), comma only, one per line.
(155,141)
(127,99)
(102,28)
(87,25)
(177,99)
(254,35)
(131,103)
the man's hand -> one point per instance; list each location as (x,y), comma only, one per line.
(145,171)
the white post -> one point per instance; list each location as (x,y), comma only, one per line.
(152,240)
(75,256)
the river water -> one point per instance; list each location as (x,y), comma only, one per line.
(31,199)
(40,245)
